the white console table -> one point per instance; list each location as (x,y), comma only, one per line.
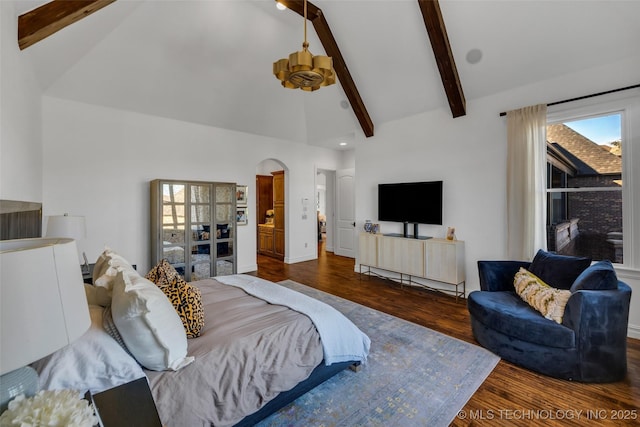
(438,260)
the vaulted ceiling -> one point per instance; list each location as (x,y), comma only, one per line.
(210,61)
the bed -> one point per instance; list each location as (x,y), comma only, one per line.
(255,354)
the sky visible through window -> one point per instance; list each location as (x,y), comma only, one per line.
(601,130)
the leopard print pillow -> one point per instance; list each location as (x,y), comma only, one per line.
(185,298)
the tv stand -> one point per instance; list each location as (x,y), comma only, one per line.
(405,231)
(410,237)
(436,260)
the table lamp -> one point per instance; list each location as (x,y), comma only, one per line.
(43,308)
(71,226)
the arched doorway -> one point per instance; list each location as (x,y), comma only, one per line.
(271,175)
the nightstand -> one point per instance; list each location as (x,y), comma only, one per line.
(87,276)
(127,405)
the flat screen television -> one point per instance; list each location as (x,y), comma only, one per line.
(411,202)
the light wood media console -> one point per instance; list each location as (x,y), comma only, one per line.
(438,260)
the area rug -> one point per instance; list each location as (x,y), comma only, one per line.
(414,376)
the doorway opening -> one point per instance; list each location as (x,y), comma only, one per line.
(325,206)
(271,208)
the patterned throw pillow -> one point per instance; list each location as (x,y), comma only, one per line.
(542,297)
(185,298)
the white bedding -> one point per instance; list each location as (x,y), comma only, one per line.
(342,341)
(93,362)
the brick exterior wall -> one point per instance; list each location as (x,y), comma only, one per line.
(599,212)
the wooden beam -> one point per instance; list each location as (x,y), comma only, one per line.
(444,57)
(51,17)
(320,24)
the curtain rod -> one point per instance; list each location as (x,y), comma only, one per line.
(587,96)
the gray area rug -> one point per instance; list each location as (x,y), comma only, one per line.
(414,376)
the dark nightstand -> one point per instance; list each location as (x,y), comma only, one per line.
(87,276)
(128,405)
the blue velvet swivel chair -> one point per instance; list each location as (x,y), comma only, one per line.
(590,345)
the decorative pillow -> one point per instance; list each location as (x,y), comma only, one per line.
(148,323)
(97,295)
(107,266)
(110,327)
(599,277)
(550,302)
(101,264)
(558,270)
(185,298)
(94,362)
(163,274)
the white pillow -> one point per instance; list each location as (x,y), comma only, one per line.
(97,295)
(101,264)
(107,266)
(149,325)
(93,362)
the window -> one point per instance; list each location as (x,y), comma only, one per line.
(584,187)
(618,198)
(623,193)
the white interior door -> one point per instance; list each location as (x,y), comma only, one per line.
(345,213)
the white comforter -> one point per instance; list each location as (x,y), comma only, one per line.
(341,340)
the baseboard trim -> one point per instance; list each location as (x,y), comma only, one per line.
(288,260)
(247,268)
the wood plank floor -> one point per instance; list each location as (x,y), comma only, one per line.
(510,395)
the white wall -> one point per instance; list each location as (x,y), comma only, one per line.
(469,155)
(20,117)
(267,166)
(99,161)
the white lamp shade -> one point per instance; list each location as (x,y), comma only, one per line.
(70,226)
(42,299)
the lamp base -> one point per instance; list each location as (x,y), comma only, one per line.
(21,381)
(85,266)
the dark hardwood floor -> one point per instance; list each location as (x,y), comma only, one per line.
(510,395)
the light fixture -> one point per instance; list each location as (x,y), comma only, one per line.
(70,226)
(280,6)
(343,143)
(302,70)
(43,308)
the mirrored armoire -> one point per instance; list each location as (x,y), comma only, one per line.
(193,227)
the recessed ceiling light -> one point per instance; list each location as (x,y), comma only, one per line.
(343,144)
(280,6)
(474,56)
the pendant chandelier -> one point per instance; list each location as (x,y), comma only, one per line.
(302,70)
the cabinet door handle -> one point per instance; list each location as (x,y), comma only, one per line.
(353,223)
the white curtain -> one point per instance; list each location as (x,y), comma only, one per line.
(526,182)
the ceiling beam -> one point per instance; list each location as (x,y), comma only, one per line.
(320,24)
(444,56)
(51,17)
